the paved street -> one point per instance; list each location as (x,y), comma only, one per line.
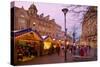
(45,60)
(54,58)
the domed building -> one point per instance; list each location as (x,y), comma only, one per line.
(24,19)
(32,11)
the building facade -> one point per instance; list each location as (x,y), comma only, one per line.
(89,27)
(24,19)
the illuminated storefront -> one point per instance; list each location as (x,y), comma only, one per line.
(24,41)
(47,42)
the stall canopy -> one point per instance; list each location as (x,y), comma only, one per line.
(27,34)
(48,39)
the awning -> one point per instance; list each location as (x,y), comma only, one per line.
(48,39)
(27,34)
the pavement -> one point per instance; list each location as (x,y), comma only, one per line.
(55,58)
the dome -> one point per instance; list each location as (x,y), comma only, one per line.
(32,10)
(32,6)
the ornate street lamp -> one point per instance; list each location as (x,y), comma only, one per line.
(65,10)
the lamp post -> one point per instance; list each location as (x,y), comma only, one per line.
(33,25)
(65,10)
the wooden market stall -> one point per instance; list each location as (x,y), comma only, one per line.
(28,43)
(48,44)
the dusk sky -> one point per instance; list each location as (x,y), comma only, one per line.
(74,16)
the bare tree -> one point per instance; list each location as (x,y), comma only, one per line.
(77,11)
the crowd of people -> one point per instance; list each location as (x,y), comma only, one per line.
(80,50)
(36,50)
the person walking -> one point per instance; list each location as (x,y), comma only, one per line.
(82,51)
(62,50)
(58,49)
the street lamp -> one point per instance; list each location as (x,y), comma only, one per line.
(53,39)
(33,25)
(65,10)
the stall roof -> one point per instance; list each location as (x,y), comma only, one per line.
(48,38)
(20,32)
(43,37)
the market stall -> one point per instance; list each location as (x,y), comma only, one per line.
(48,45)
(28,45)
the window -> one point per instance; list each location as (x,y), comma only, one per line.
(22,23)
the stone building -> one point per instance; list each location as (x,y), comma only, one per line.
(89,27)
(24,19)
